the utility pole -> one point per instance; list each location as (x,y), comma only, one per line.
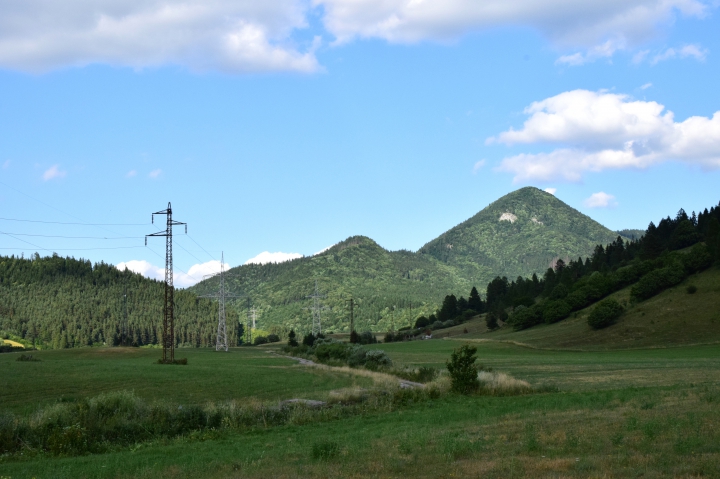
(352,319)
(123,333)
(222,341)
(316,308)
(168,332)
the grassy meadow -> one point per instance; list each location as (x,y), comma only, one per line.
(638,399)
(649,413)
(64,375)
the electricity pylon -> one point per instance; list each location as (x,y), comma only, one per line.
(222,341)
(168,331)
(316,308)
(248,328)
(352,310)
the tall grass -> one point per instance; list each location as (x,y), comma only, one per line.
(121,419)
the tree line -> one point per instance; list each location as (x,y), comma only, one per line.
(651,264)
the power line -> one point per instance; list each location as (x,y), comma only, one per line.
(72,249)
(200,246)
(20,239)
(77,237)
(188,252)
(81,224)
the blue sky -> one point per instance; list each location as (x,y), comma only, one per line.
(286,126)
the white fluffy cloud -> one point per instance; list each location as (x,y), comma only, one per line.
(252,36)
(268,257)
(53,172)
(552,191)
(600,200)
(180,279)
(565,22)
(227,35)
(599,130)
(155,173)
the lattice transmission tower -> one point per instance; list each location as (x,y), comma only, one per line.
(168,329)
(316,309)
(222,341)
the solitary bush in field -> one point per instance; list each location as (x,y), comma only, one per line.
(292,341)
(273,338)
(463,372)
(691,289)
(605,314)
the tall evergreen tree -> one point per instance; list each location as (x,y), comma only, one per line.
(474,302)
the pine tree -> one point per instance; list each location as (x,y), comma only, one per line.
(474,302)
(292,342)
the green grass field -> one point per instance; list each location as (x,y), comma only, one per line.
(639,399)
(208,376)
(649,413)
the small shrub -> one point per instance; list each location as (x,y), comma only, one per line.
(421,322)
(462,370)
(273,338)
(260,340)
(292,341)
(491,320)
(437,325)
(524,318)
(375,359)
(554,311)
(605,314)
(691,289)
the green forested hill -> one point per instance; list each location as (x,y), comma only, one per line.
(63,302)
(518,235)
(388,286)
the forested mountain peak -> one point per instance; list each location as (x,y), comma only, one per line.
(518,234)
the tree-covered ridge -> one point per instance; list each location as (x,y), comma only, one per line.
(519,234)
(59,302)
(651,264)
(390,288)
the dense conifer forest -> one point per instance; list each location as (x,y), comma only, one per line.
(56,302)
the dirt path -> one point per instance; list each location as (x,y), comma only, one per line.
(378,377)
